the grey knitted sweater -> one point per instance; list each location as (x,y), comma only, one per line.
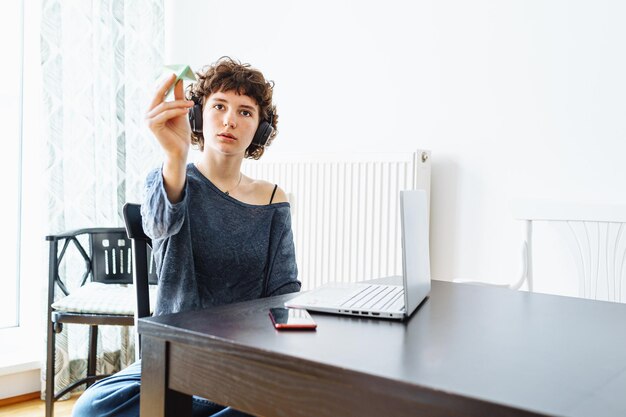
(211,249)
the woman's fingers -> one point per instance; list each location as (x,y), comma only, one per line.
(178,91)
(178,104)
(162,117)
(159,96)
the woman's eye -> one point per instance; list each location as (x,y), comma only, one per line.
(218,106)
(246,113)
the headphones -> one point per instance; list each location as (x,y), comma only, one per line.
(261,136)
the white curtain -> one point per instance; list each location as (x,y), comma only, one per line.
(100,63)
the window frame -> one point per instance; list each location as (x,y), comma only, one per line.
(23,345)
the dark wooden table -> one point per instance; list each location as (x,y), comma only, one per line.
(468,350)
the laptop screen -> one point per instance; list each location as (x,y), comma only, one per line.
(415,248)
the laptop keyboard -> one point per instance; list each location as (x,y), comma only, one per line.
(376,297)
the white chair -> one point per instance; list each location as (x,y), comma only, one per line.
(595,236)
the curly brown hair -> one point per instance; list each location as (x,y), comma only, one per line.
(227,74)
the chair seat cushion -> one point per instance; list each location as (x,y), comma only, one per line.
(99,298)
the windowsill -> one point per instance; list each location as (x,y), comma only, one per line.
(21,350)
(20,366)
(20,377)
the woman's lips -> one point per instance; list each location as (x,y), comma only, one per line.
(227,137)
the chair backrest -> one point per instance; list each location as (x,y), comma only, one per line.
(110,256)
(143,273)
(105,252)
(595,236)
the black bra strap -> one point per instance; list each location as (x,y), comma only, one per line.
(273,192)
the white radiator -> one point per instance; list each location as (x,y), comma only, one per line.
(345,209)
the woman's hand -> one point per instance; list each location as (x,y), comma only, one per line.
(169,122)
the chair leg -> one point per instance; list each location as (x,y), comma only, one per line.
(50,369)
(93,354)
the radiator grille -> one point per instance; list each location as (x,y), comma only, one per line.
(345,211)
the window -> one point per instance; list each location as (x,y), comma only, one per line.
(11,22)
(23,254)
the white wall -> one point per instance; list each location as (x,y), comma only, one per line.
(516,99)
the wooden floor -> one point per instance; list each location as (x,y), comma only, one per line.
(36,408)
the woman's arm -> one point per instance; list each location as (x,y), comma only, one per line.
(161,218)
(169,123)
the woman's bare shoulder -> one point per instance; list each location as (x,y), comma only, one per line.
(263,192)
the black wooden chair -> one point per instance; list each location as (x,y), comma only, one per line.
(142,248)
(105,258)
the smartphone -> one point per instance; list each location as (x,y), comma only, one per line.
(291,318)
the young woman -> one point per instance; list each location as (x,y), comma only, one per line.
(218,236)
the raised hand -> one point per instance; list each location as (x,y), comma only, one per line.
(169,122)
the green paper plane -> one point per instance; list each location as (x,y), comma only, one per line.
(183,72)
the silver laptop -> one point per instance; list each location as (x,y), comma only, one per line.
(396,301)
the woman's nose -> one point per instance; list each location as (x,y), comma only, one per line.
(229,121)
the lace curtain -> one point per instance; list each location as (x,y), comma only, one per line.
(100,63)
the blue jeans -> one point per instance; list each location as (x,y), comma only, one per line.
(118,396)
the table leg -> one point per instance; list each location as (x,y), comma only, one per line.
(157,400)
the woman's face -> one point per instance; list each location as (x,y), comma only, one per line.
(229,122)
